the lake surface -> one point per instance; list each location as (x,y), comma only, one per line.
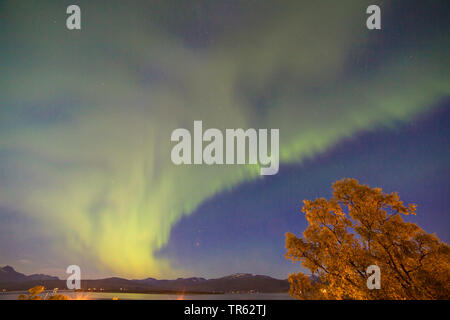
(151,296)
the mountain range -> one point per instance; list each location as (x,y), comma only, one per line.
(8,274)
(239,282)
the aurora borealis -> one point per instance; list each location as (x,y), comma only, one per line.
(86,118)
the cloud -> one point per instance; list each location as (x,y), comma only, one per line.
(86,116)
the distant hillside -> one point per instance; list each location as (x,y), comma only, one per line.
(236,282)
(8,274)
(240,282)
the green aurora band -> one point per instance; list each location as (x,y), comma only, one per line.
(86,117)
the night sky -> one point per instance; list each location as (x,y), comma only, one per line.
(86,117)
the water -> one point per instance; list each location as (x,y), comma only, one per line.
(151,296)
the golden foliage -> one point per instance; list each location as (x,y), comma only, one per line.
(58,297)
(35,294)
(361,226)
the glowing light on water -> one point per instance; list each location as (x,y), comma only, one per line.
(181,296)
(81,296)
